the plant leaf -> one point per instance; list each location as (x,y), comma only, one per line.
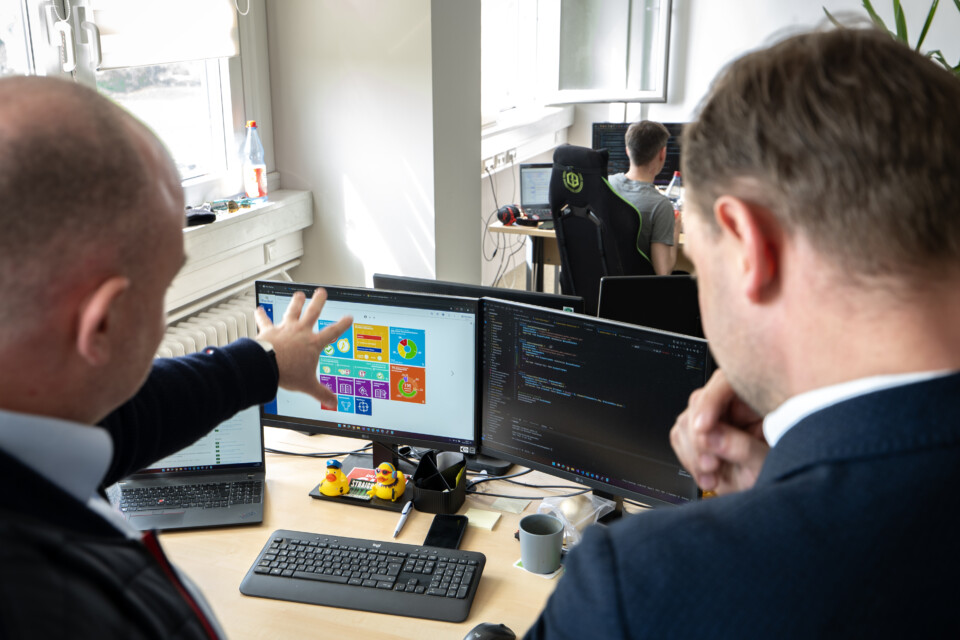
(901,21)
(926,25)
(834,20)
(877,20)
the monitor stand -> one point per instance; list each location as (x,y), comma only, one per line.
(617,512)
(477,462)
(381,453)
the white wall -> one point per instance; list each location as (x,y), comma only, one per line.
(352,86)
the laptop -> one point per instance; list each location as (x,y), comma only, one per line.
(216,481)
(535,189)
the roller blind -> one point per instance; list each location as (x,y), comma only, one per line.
(141,32)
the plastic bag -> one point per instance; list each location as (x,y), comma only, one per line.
(577,513)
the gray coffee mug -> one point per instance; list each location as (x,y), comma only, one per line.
(541,539)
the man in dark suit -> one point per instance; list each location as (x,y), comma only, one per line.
(823,219)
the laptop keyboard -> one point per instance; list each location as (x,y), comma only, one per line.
(206,496)
(368,575)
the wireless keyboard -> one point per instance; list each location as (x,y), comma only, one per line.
(369,575)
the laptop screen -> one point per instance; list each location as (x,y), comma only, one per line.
(535,185)
(237,443)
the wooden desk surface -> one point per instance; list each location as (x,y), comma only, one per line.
(217,559)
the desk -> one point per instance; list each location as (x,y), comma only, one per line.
(217,559)
(544,249)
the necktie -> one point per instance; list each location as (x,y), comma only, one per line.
(153,546)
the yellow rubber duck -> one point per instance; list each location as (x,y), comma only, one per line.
(335,483)
(390,483)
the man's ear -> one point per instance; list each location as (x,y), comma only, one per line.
(756,239)
(95,322)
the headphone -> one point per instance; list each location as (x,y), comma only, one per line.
(510,214)
(386,467)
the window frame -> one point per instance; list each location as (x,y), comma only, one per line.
(243,88)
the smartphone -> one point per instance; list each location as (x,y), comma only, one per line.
(446,531)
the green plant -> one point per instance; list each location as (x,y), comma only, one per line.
(901,32)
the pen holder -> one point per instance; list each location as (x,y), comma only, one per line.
(439,482)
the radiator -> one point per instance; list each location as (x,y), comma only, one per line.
(214,326)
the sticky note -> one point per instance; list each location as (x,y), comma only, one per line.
(482,519)
(510,505)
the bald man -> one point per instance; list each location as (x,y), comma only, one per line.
(823,219)
(92,217)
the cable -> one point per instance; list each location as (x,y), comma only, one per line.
(486,225)
(503,495)
(492,478)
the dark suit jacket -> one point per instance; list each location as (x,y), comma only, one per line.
(67,573)
(850,531)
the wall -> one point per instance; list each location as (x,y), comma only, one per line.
(707,34)
(356,122)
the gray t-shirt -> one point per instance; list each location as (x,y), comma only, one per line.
(656,211)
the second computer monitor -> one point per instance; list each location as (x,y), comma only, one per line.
(442,287)
(588,399)
(668,303)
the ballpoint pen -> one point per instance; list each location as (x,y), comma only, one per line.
(403,517)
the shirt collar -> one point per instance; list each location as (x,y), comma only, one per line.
(73,456)
(788,414)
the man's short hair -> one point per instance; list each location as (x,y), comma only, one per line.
(644,140)
(848,137)
(75,186)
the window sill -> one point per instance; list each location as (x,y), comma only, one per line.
(226,256)
(521,134)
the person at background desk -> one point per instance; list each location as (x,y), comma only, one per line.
(92,237)
(646,145)
(823,218)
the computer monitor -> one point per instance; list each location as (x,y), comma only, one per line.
(610,136)
(405,372)
(588,399)
(668,303)
(424,285)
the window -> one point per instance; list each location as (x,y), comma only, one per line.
(568,51)
(611,51)
(174,65)
(182,102)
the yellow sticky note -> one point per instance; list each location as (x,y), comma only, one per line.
(482,519)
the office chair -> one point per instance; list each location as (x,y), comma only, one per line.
(596,228)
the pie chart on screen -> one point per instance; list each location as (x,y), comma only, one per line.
(407,349)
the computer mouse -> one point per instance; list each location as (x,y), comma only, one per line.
(490,631)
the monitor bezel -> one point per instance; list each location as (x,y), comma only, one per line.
(443,287)
(328,427)
(602,488)
(620,287)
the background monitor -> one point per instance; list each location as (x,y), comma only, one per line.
(610,136)
(424,285)
(588,399)
(404,373)
(668,303)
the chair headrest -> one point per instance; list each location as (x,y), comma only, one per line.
(582,158)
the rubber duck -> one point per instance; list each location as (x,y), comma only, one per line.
(335,483)
(390,483)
